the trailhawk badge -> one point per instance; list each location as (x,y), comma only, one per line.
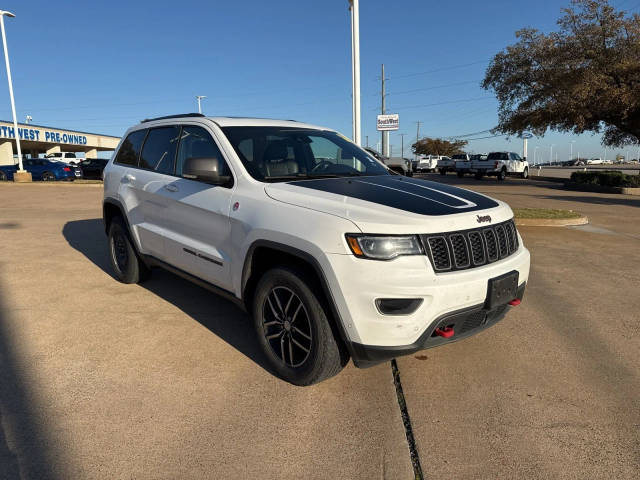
(483,218)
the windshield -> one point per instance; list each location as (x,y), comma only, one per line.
(284,153)
(459,157)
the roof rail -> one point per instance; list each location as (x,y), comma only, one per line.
(181,115)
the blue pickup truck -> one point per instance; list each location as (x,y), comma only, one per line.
(40,169)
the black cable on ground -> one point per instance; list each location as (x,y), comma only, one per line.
(413,452)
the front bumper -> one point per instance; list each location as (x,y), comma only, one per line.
(356,284)
(465,323)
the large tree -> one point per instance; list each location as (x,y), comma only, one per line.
(438,146)
(583,78)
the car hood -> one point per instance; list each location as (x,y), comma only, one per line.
(392,203)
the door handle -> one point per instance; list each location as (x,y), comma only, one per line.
(171,188)
(128,178)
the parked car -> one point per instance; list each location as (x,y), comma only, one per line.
(426,163)
(332,255)
(40,169)
(446,164)
(65,157)
(93,167)
(501,165)
(397,164)
(595,161)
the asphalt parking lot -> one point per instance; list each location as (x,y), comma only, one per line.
(164,380)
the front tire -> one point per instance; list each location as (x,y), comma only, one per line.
(126,265)
(460,173)
(525,173)
(48,177)
(293,328)
(443,171)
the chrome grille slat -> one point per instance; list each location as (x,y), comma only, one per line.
(470,248)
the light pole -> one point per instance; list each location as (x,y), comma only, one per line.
(199,98)
(355,68)
(4,13)
(402,144)
(551,155)
(571,145)
(535,155)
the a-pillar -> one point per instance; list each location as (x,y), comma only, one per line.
(55,149)
(6,153)
(93,153)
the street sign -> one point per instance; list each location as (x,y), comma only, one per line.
(388,122)
(526,135)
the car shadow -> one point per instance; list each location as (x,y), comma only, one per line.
(222,317)
(27,448)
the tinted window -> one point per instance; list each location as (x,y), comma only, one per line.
(159,151)
(195,142)
(498,156)
(281,153)
(130,148)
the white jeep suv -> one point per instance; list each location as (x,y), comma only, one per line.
(333,255)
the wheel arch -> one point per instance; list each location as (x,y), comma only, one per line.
(265,254)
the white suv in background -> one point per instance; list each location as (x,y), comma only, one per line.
(501,165)
(331,254)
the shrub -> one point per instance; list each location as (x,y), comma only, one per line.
(606,178)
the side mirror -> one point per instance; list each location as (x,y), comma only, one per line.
(204,169)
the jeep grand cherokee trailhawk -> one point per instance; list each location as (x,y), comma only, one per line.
(332,254)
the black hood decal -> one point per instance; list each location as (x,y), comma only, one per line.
(408,194)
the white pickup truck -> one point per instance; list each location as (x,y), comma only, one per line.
(446,164)
(501,164)
(426,163)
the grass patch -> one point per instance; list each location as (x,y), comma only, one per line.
(544,213)
(606,178)
(83,181)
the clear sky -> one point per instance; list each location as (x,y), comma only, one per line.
(103,66)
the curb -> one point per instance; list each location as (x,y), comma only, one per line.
(582,187)
(54,184)
(551,222)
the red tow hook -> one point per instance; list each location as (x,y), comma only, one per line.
(515,302)
(446,332)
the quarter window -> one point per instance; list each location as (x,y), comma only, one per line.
(130,148)
(159,151)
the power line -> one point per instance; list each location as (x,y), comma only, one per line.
(443,69)
(449,102)
(433,88)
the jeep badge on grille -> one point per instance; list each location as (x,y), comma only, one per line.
(483,218)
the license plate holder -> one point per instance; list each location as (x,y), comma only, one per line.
(502,290)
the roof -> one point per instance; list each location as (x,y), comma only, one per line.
(261,122)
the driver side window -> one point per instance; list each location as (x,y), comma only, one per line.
(195,142)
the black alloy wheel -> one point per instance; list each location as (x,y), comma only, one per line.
(287,327)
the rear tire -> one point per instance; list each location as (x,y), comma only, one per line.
(502,174)
(48,177)
(126,265)
(443,171)
(525,172)
(478,176)
(293,328)
(3,177)
(460,174)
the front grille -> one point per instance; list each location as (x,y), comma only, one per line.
(470,248)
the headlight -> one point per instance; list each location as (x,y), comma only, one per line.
(384,247)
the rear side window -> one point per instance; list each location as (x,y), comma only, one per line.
(159,151)
(130,148)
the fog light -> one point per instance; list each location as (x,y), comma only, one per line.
(398,306)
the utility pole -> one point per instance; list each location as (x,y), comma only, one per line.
(385,133)
(417,137)
(367,137)
(402,144)
(355,69)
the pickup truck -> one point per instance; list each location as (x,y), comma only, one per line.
(446,164)
(426,163)
(501,164)
(463,164)
(399,165)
